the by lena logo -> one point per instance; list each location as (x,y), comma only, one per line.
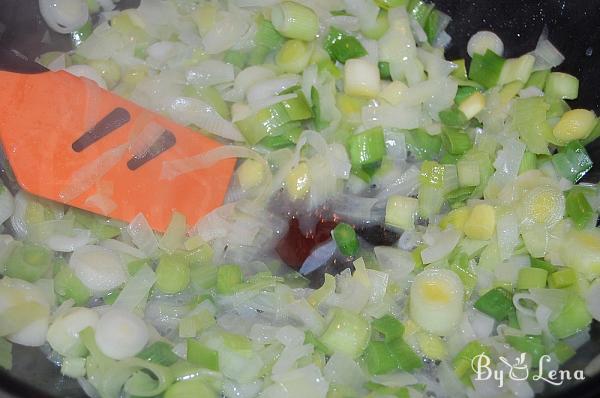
(520,371)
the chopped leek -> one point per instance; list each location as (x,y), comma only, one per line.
(342,46)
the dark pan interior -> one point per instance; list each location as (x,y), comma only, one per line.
(573,27)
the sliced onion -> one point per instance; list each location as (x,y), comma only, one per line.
(136,290)
(68,243)
(88,72)
(485,40)
(174,168)
(64,16)
(63,334)
(546,55)
(104,203)
(441,246)
(120,334)
(402,117)
(269,88)
(186,110)
(398,263)
(318,257)
(142,235)
(120,247)
(98,268)
(225,33)
(246,79)
(88,175)
(210,72)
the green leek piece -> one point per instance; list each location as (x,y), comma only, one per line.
(267,39)
(384,70)
(283,137)
(201,255)
(423,145)
(297,108)
(387,4)
(496,303)
(188,388)
(460,73)
(574,317)
(485,69)
(531,277)
(310,338)
(347,333)
(236,58)
(199,354)
(436,23)
(456,142)
(204,277)
(381,26)
(533,345)
(572,162)
(459,263)
(453,117)
(578,208)
(5,354)
(538,79)
(529,120)
(379,359)
(160,353)
(407,359)
(257,126)
(211,96)
(539,263)
(80,35)
(432,174)
(419,10)
(384,357)
(529,162)
(561,85)
(131,31)
(463,360)
(458,197)
(593,135)
(448,158)
(557,108)
(172,274)
(229,277)
(367,149)
(267,36)
(345,239)
(563,352)
(295,21)
(342,46)
(320,124)
(390,327)
(383,390)
(28,262)
(463,93)
(563,277)
(68,286)
(134,266)
(294,56)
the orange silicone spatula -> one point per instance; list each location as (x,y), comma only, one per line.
(66,139)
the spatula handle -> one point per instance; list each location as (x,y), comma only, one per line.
(13,61)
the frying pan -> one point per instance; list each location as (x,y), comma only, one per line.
(573,27)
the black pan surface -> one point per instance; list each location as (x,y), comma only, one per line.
(573,27)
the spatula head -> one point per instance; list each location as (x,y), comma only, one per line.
(67,140)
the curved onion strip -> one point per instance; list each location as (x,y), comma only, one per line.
(84,178)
